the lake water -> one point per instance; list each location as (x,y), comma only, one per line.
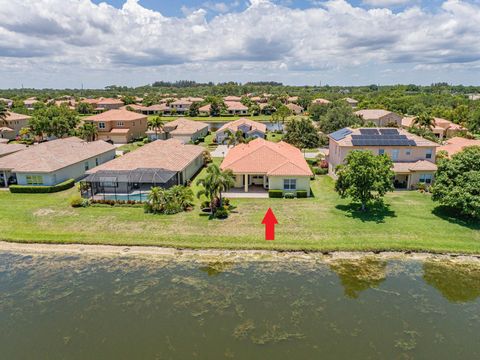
(83,307)
(215,125)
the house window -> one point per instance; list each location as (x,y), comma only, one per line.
(426,178)
(96,161)
(381,151)
(120,123)
(289,184)
(101,125)
(34,180)
(408,152)
(429,154)
(395,154)
(87,166)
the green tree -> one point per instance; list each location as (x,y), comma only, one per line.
(193,111)
(234,138)
(364,177)
(84,108)
(302,134)
(338,116)
(214,184)
(3,113)
(156,124)
(128,99)
(457,182)
(316,111)
(58,121)
(88,131)
(424,121)
(281,115)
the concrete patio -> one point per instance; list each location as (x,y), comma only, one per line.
(254,192)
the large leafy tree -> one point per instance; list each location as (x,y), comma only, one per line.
(193,111)
(84,108)
(364,177)
(338,116)
(58,121)
(302,134)
(457,182)
(214,184)
(281,114)
(316,111)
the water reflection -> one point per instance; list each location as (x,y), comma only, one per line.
(359,275)
(457,282)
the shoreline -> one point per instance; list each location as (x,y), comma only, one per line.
(222,254)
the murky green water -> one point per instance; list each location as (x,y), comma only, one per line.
(69,307)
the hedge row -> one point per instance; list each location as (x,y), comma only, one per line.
(279,194)
(42,189)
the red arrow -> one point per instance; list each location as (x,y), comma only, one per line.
(269,221)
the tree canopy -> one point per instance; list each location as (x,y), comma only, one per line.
(457,182)
(364,177)
(302,134)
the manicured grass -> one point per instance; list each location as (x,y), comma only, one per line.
(272,136)
(410,221)
(131,146)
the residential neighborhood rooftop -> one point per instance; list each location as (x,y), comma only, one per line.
(114,115)
(372,114)
(233,125)
(169,154)
(7,149)
(457,144)
(53,155)
(182,126)
(264,157)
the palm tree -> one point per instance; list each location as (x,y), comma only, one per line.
(235,138)
(424,121)
(3,114)
(156,124)
(156,200)
(214,183)
(88,131)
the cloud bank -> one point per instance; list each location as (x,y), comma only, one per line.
(72,39)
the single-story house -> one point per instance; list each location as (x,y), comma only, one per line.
(159,163)
(182,129)
(248,127)
(380,117)
(457,144)
(443,128)
(236,108)
(13,123)
(8,102)
(268,165)
(53,162)
(232,98)
(7,149)
(119,126)
(321,101)
(295,109)
(352,102)
(30,103)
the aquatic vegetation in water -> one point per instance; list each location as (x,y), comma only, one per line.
(408,342)
(357,275)
(244,329)
(274,334)
(217,267)
(457,282)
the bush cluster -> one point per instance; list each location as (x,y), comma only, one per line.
(275,194)
(28,189)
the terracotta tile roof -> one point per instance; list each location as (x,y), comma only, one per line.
(295,108)
(116,115)
(420,165)
(232,98)
(11,116)
(181,102)
(440,123)
(54,155)
(235,105)
(205,108)
(5,129)
(320,101)
(134,107)
(264,157)
(157,107)
(182,126)
(372,114)
(457,144)
(110,101)
(347,139)
(90,101)
(6,149)
(351,101)
(169,154)
(233,125)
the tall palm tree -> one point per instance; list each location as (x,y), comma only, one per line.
(88,131)
(214,184)
(424,121)
(235,138)
(3,114)
(156,124)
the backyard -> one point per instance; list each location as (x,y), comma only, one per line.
(410,221)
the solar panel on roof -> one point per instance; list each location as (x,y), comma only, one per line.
(369,131)
(389,131)
(340,134)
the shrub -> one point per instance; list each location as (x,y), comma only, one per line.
(312,162)
(76,201)
(275,194)
(27,189)
(221,213)
(289,196)
(301,194)
(320,171)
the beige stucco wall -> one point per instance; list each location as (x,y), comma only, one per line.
(276,183)
(192,168)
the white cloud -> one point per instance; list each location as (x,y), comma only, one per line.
(55,36)
(386,3)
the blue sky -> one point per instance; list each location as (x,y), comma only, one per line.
(66,43)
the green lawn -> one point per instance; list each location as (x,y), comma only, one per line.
(272,136)
(410,222)
(131,146)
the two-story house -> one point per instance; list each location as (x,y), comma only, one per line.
(413,156)
(181,106)
(13,123)
(119,126)
(380,117)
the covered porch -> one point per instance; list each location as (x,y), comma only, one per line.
(250,182)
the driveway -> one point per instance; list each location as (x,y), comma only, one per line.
(220,152)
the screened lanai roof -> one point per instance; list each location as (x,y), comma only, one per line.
(140,176)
